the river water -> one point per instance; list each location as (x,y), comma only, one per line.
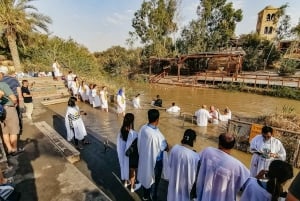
(189,100)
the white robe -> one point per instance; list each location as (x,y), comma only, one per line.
(136,102)
(103,99)
(258,162)
(96,99)
(82,93)
(174,109)
(182,173)
(55,68)
(122,147)
(74,87)
(70,79)
(202,117)
(121,103)
(78,125)
(220,176)
(225,117)
(150,143)
(252,191)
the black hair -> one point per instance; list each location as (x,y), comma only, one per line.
(189,137)
(72,101)
(226,141)
(23,81)
(153,115)
(267,129)
(128,123)
(173,104)
(279,173)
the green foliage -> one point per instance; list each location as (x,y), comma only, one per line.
(18,18)
(288,67)
(153,23)
(213,29)
(284,92)
(260,53)
(117,61)
(41,51)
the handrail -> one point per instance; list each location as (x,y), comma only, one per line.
(157,77)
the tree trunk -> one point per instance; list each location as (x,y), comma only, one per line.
(11,38)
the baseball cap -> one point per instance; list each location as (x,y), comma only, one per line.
(3,69)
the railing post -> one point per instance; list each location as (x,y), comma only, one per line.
(268,81)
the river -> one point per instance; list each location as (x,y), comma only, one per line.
(189,100)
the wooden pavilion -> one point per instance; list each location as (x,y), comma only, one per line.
(229,63)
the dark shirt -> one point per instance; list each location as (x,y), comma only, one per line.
(295,186)
(26,91)
(158,102)
(12,82)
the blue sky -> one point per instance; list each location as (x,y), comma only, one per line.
(100,24)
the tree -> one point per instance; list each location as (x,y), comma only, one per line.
(16,18)
(214,27)
(153,23)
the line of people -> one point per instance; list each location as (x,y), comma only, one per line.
(210,175)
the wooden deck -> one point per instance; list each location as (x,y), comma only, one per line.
(204,79)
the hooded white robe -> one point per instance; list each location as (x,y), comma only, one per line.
(82,93)
(74,87)
(150,143)
(122,147)
(258,162)
(182,173)
(220,177)
(78,124)
(121,103)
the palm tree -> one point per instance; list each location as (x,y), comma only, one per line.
(17,19)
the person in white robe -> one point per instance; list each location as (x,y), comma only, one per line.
(74,125)
(121,102)
(128,153)
(173,109)
(96,100)
(226,116)
(103,99)
(183,164)
(151,144)
(70,78)
(202,116)
(220,175)
(214,115)
(82,91)
(136,102)
(268,184)
(55,70)
(75,87)
(265,149)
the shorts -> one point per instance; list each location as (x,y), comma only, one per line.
(11,123)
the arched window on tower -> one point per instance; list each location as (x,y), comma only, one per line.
(270,30)
(266,30)
(273,17)
(268,17)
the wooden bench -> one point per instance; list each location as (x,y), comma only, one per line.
(68,151)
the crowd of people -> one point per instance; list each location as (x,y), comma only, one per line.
(15,100)
(212,174)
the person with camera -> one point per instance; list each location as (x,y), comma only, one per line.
(268,184)
(128,153)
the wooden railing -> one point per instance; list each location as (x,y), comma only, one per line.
(157,77)
(268,80)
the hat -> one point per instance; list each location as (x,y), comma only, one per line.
(3,70)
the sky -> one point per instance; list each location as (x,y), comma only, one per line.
(100,24)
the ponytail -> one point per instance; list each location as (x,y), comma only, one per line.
(275,188)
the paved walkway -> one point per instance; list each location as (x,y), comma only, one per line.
(41,173)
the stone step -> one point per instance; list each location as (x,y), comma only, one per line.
(68,151)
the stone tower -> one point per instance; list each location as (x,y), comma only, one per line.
(267,23)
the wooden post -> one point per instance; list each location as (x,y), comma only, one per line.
(298,82)
(255,81)
(268,81)
(205,78)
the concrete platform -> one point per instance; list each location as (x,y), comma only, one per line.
(41,173)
